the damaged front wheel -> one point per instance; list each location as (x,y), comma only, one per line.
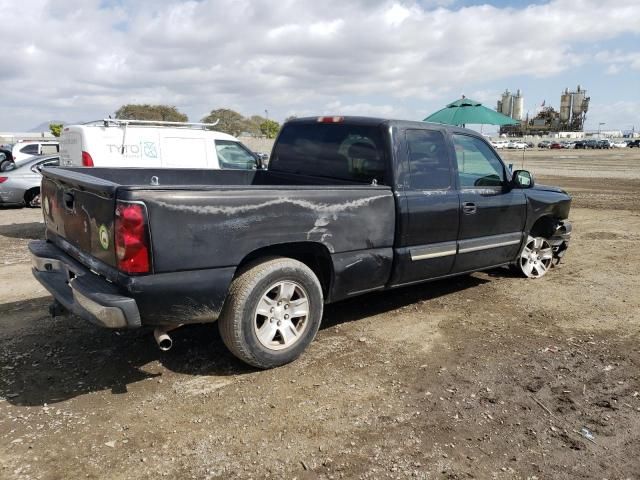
(536,257)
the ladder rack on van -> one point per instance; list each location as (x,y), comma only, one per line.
(156,123)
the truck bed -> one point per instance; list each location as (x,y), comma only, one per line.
(213,220)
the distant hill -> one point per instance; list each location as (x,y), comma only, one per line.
(44,127)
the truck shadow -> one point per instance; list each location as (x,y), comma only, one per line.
(29,231)
(46,361)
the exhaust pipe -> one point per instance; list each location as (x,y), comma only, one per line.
(163,339)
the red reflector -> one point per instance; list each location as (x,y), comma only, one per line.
(87,161)
(330,119)
(3,179)
(132,238)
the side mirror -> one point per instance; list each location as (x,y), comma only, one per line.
(522,179)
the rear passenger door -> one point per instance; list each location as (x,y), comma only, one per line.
(428,222)
(492,214)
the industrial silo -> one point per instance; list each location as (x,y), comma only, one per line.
(506,102)
(518,106)
(578,97)
(565,106)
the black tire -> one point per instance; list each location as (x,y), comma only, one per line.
(237,322)
(32,198)
(4,164)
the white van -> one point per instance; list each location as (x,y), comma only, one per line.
(146,144)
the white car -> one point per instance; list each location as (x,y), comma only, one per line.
(145,144)
(24,149)
(499,144)
(517,144)
(619,144)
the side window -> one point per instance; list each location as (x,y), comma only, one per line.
(30,149)
(48,149)
(233,155)
(428,160)
(478,166)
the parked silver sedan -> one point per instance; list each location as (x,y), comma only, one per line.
(20,183)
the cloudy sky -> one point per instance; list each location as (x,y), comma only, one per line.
(78,60)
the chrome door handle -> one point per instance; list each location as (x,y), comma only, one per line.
(469,208)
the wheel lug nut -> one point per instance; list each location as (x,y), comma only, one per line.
(279,303)
(286,317)
(272,320)
(286,306)
(279,322)
(272,310)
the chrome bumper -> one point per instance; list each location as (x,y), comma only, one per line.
(81,291)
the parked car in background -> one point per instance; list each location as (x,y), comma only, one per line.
(20,183)
(517,144)
(24,149)
(499,144)
(605,143)
(6,157)
(137,143)
(555,146)
(633,144)
(544,144)
(591,143)
(619,144)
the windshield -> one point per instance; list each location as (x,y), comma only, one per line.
(335,150)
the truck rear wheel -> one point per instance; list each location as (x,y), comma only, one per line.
(272,312)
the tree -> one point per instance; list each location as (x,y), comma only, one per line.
(270,128)
(56,129)
(229,121)
(290,117)
(163,113)
(253,124)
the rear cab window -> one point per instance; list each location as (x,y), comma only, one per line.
(333,150)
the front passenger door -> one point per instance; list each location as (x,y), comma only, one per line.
(492,215)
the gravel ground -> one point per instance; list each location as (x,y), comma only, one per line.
(483,376)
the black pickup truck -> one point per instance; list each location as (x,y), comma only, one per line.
(348,205)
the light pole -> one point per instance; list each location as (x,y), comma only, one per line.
(600,125)
(266,113)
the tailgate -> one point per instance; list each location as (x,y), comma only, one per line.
(80,208)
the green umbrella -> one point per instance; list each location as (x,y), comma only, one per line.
(467,111)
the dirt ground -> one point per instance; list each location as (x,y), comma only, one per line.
(483,376)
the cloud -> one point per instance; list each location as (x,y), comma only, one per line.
(83,59)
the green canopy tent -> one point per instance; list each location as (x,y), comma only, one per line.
(466,111)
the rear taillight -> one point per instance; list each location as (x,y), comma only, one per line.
(3,179)
(132,238)
(87,161)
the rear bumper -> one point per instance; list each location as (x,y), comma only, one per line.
(161,299)
(81,291)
